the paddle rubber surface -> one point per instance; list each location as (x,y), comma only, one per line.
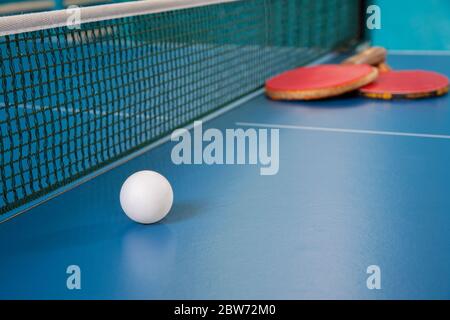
(410,84)
(318,82)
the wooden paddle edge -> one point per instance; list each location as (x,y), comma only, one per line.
(390,96)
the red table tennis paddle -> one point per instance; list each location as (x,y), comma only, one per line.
(329,80)
(405,84)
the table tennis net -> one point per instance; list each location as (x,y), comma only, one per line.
(73,101)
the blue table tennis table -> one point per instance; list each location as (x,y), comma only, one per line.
(360,183)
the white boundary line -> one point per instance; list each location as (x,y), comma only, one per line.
(341,130)
(443,53)
(59,18)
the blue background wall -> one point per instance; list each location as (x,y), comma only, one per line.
(414,24)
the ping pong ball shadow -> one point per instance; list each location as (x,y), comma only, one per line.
(183,210)
(148,253)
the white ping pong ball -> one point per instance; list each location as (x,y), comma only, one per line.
(146,197)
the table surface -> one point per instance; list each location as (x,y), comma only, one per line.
(361,182)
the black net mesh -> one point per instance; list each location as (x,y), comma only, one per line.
(73,101)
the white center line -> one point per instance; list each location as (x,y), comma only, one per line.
(340,130)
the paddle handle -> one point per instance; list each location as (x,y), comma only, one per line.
(375,56)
